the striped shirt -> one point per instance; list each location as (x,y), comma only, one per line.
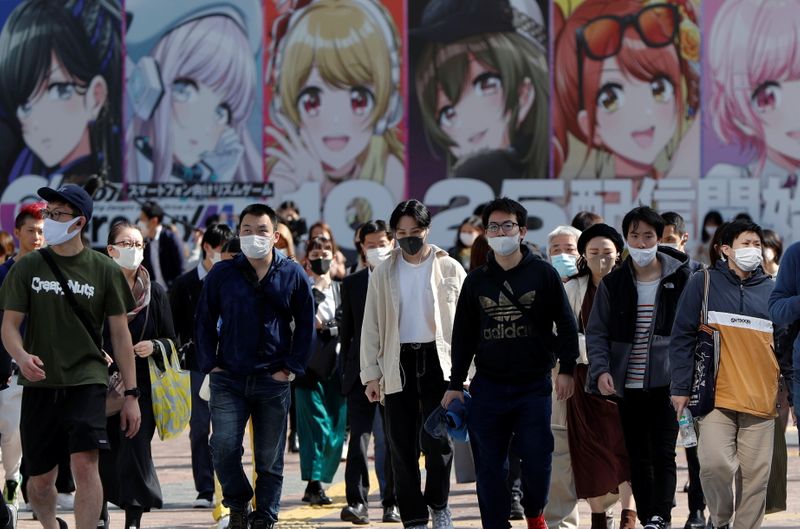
(637,363)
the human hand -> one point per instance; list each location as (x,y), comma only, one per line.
(130,418)
(143,349)
(679,403)
(226,156)
(281,376)
(794,417)
(606,384)
(565,386)
(31,368)
(450,396)
(373,391)
(296,160)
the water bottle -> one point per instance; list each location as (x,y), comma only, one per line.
(686,425)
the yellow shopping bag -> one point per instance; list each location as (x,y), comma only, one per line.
(172,394)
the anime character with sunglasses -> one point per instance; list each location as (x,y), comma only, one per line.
(193,89)
(626,87)
(60,88)
(482,82)
(755,71)
(336,96)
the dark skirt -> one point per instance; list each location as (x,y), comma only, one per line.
(596,445)
(127,471)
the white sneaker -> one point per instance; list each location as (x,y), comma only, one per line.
(441,518)
(12,516)
(202,503)
(65,501)
(223,522)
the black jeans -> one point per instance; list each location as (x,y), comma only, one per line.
(423,388)
(199,433)
(697,502)
(356,473)
(650,427)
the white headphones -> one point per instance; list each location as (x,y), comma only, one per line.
(379,15)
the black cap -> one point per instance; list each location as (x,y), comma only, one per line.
(72,194)
(448,21)
(600,230)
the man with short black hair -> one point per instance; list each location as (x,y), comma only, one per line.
(676,237)
(184,295)
(504,321)
(254,330)
(62,367)
(163,254)
(627,340)
(405,359)
(376,242)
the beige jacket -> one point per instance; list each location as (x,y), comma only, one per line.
(380,332)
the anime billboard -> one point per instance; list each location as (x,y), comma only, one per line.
(334,139)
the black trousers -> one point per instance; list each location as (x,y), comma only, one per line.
(356,473)
(423,388)
(697,502)
(650,427)
(199,434)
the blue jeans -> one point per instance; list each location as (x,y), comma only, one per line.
(235,399)
(497,412)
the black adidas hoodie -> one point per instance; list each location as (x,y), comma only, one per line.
(510,347)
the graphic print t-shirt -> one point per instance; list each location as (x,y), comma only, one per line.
(637,363)
(53,331)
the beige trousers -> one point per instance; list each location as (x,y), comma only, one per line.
(731,441)
(561,511)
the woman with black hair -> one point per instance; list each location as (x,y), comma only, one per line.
(127,471)
(60,77)
(469,230)
(712,223)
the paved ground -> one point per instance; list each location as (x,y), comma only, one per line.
(174,470)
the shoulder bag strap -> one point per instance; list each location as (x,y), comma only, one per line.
(79,312)
(706,281)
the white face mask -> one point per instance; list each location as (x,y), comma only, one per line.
(215,258)
(643,256)
(505,245)
(55,233)
(467,238)
(376,256)
(672,245)
(256,246)
(748,259)
(129,258)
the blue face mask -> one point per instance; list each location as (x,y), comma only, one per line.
(564,264)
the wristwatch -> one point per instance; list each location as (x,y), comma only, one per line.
(133,392)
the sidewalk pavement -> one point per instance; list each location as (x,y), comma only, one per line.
(175,472)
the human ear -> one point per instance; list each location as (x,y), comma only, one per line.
(96,95)
(527,96)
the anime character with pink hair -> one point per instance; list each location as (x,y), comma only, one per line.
(626,88)
(754,59)
(193,93)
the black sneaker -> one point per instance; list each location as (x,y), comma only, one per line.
(237,520)
(62,524)
(391,514)
(257,522)
(517,511)
(696,520)
(656,522)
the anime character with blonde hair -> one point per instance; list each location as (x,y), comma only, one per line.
(193,94)
(337,98)
(482,82)
(626,87)
(754,59)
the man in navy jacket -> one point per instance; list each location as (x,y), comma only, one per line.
(253,332)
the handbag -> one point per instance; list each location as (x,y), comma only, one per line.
(171,392)
(706,362)
(115,395)
(322,362)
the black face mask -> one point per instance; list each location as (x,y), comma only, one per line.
(320,266)
(411,245)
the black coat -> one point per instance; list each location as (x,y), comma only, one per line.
(170,256)
(183,297)
(354,297)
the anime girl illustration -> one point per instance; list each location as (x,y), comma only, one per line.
(755,70)
(60,87)
(336,97)
(482,82)
(194,91)
(626,90)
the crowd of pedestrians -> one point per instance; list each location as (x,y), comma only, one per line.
(545,376)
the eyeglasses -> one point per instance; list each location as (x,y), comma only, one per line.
(602,37)
(130,244)
(56,215)
(507,227)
